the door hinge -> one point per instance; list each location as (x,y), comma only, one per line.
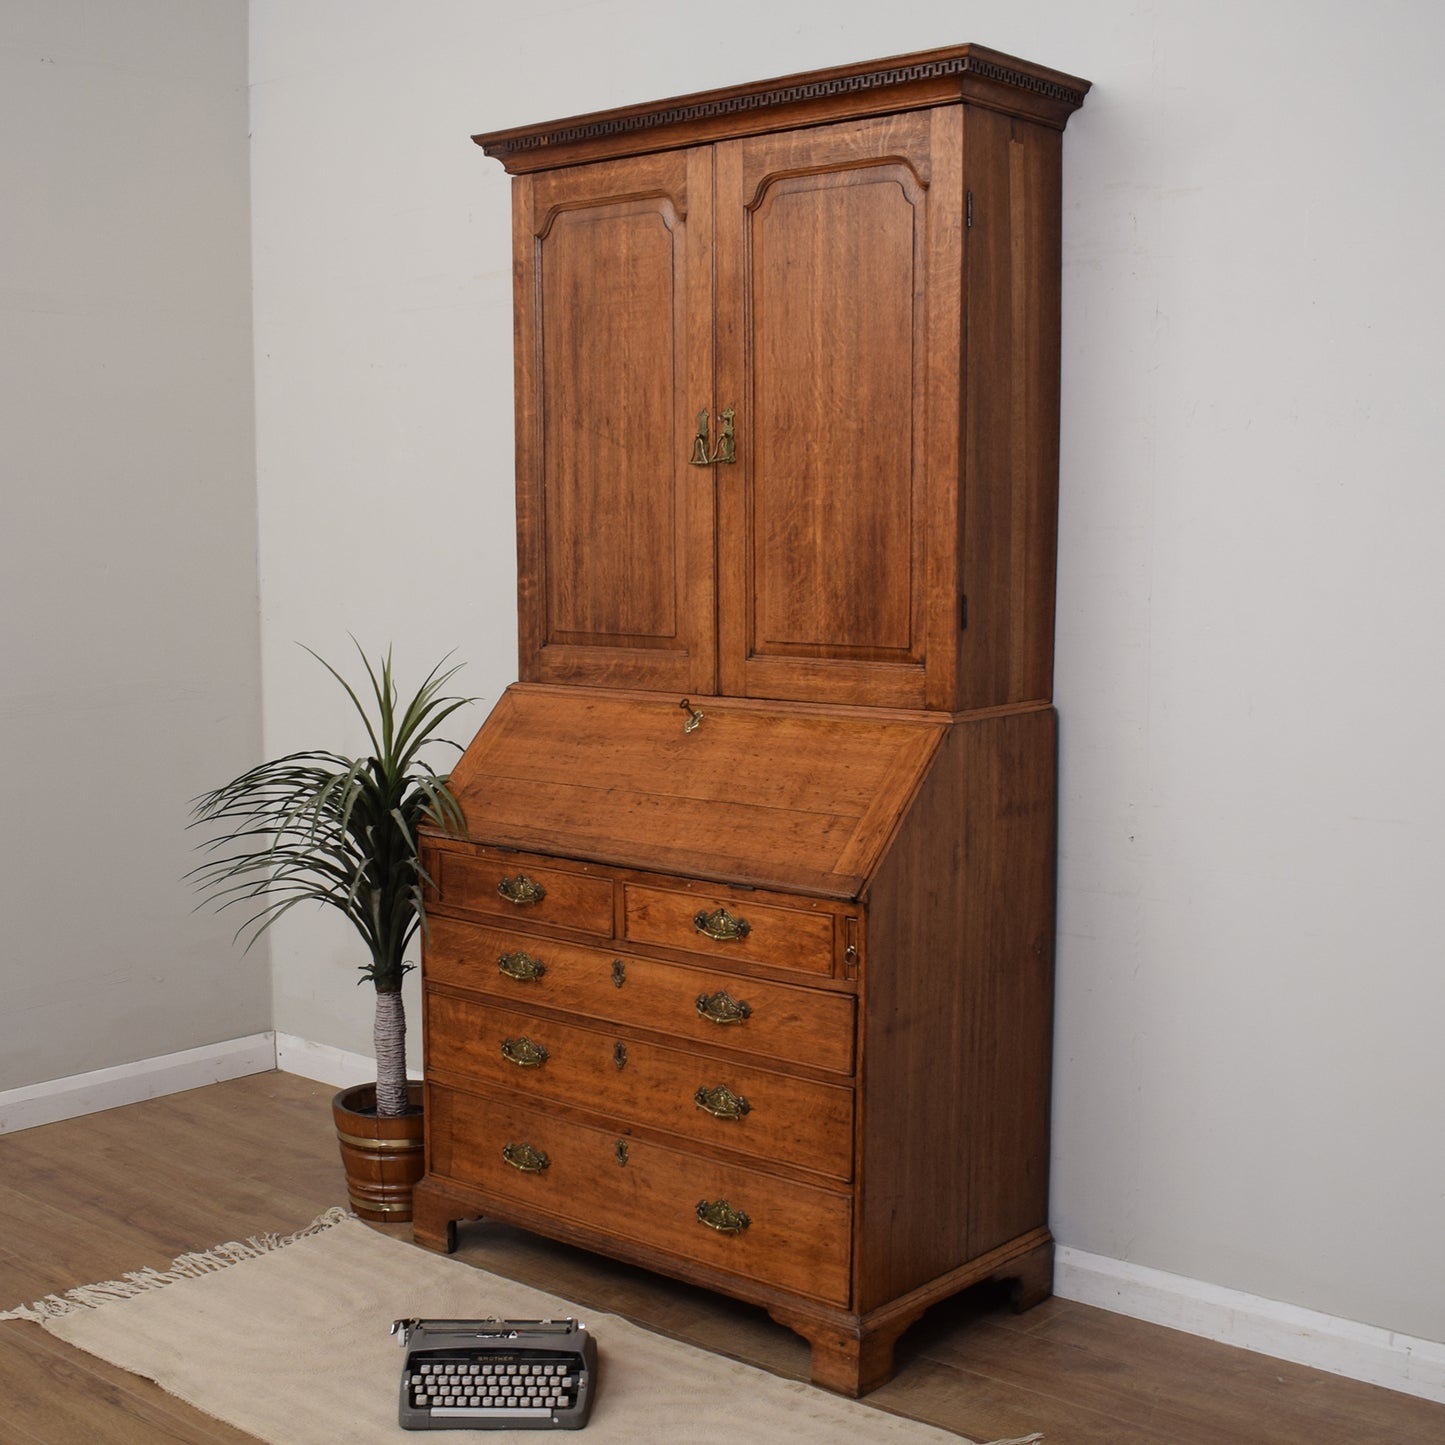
(967,210)
(963,612)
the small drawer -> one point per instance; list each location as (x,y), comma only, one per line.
(728,924)
(525,892)
(693,1003)
(699,1211)
(728,1105)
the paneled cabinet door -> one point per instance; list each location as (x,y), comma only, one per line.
(814,556)
(614,361)
(839,309)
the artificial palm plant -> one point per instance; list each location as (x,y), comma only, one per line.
(321,827)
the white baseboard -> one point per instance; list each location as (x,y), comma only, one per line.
(68,1098)
(323,1063)
(1283,1331)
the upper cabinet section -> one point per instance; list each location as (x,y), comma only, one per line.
(787,387)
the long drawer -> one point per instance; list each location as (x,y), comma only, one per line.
(757,1226)
(750,1016)
(729,1105)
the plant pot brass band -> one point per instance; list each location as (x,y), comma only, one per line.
(721,925)
(525,1158)
(372,1207)
(722,1217)
(722,1008)
(522,966)
(721,1103)
(524,1053)
(521,890)
(380,1146)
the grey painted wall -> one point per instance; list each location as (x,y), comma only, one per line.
(130,677)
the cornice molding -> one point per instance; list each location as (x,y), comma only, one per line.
(931,77)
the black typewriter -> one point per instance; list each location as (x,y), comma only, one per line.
(496,1374)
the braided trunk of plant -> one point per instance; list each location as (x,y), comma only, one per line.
(324,828)
(389,1036)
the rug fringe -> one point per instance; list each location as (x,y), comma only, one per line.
(1019,1440)
(185,1266)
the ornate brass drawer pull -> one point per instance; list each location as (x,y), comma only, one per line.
(721,925)
(521,890)
(524,1053)
(722,1103)
(722,1217)
(723,1008)
(521,966)
(525,1158)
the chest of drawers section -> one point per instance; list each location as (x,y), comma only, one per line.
(654,1066)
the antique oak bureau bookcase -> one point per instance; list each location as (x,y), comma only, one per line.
(742,970)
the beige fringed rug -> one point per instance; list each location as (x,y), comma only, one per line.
(289,1340)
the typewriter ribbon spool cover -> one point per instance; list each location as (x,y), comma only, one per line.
(496,1374)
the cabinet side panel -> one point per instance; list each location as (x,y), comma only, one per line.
(957,1012)
(1009,850)
(1011,416)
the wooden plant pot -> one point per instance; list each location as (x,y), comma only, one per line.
(383,1158)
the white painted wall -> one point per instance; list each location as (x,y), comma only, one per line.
(1250,1088)
(129,669)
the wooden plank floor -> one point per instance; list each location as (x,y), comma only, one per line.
(91,1198)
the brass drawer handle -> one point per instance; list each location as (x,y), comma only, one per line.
(722,1217)
(721,925)
(722,1103)
(521,890)
(525,1158)
(723,1008)
(521,966)
(524,1053)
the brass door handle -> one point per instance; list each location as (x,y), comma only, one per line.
(726,449)
(521,966)
(525,1158)
(521,890)
(721,925)
(524,1053)
(722,1217)
(722,1008)
(721,1103)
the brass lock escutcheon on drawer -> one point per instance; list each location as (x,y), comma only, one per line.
(521,966)
(521,890)
(721,925)
(524,1053)
(721,1103)
(525,1158)
(722,1008)
(722,1217)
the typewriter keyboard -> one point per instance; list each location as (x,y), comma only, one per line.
(501,1388)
